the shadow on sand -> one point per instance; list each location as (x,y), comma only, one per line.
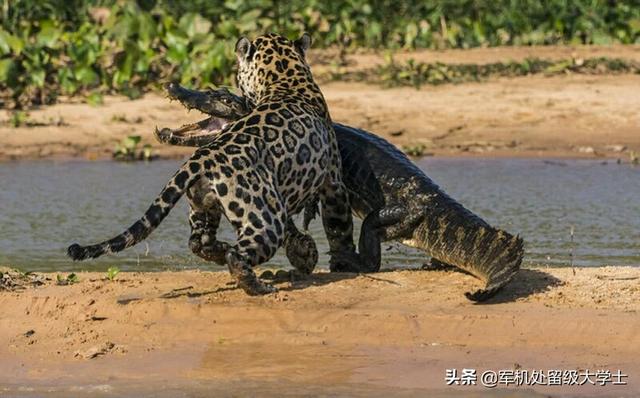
(526,283)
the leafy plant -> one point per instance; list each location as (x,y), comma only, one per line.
(68,280)
(112,272)
(18,118)
(128,150)
(416,150)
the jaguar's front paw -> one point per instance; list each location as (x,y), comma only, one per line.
(247,279)
(206,248)
(215,252)
(302,253)
(254,286)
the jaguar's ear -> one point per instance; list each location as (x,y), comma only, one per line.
(242,47)
(303,43)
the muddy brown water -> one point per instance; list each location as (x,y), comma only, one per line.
(45,206)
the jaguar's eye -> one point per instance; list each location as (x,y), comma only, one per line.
(226,101)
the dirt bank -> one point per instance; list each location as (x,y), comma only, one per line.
(341,334)
(573,115)
(325,60)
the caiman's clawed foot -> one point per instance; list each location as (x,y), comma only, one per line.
(494,285)
(346,262)
(246,278)
(302,253)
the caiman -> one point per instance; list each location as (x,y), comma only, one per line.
(396,200)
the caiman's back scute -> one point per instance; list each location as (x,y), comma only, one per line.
(379,176)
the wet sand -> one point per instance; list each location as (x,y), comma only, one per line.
(568,116)
(392,333)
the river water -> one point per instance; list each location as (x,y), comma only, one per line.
(45,206)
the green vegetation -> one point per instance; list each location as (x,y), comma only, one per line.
(68,280)
(112,272)
(411,73)
(122,118)
(415,150)
(12,279)
(74,47)
(19,118)
(128,150)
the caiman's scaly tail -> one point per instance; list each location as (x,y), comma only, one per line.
(159,209)
(456,236)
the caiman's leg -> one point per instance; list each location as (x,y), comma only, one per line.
(301,249)
(373,232)
(391,222)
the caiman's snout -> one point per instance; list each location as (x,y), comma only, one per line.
(220,103)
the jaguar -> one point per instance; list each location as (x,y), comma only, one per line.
(259,171)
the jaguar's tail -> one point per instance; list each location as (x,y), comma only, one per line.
(159,209)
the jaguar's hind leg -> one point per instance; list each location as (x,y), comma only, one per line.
(259,218)
(254,247)
(203,242)
(204,219)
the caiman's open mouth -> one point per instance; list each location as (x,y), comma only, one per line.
(205,127)
(210,125)
(220,105)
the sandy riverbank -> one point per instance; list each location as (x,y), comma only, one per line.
(191,333)
(569,116)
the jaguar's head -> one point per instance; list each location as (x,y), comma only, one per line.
(271,62)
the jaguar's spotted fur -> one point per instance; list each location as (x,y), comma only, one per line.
(260,169)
